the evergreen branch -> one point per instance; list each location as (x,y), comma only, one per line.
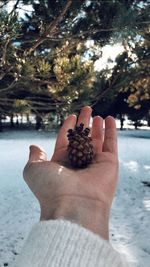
(3,60)
(42,104)
(123,83)
(8,88)
(6,102)
(50,29)
(54,24)
(40,82)
(6,71)
(80,35)
(102,94)
(23,81)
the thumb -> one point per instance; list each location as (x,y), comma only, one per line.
(37,154)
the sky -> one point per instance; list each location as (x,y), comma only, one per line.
(21,9)
(108,52)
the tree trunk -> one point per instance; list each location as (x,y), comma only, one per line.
(136,125)
(17,121)
(1,125)
(61,119)
(21,118)
(148,120)
(121,121)
(12,120)
(39,123)
(28,119)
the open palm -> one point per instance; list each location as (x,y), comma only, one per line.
(59,187)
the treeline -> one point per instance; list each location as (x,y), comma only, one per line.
(48,51)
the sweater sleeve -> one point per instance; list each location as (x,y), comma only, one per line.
(60,243)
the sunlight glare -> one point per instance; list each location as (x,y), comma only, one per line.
(60,170)
(126,252)
(147,167)
(146,203)
(132,165)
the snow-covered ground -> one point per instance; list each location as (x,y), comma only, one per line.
(130,216)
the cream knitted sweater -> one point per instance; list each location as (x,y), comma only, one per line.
(60,243)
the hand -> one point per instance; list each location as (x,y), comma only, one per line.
(83,196)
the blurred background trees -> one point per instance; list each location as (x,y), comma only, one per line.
(49,51)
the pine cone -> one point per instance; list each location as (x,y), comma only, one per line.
(80,149)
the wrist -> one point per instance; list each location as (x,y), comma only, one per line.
(91,214)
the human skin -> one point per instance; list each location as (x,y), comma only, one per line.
(83,196)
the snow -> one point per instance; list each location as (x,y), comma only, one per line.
(130,215)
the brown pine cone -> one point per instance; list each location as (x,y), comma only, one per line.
(80,149)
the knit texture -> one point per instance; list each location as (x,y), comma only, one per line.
(60,243)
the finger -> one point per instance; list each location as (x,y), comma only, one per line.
(85,116)
(110,136)
(62,140)
(97,133)
(37,154)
